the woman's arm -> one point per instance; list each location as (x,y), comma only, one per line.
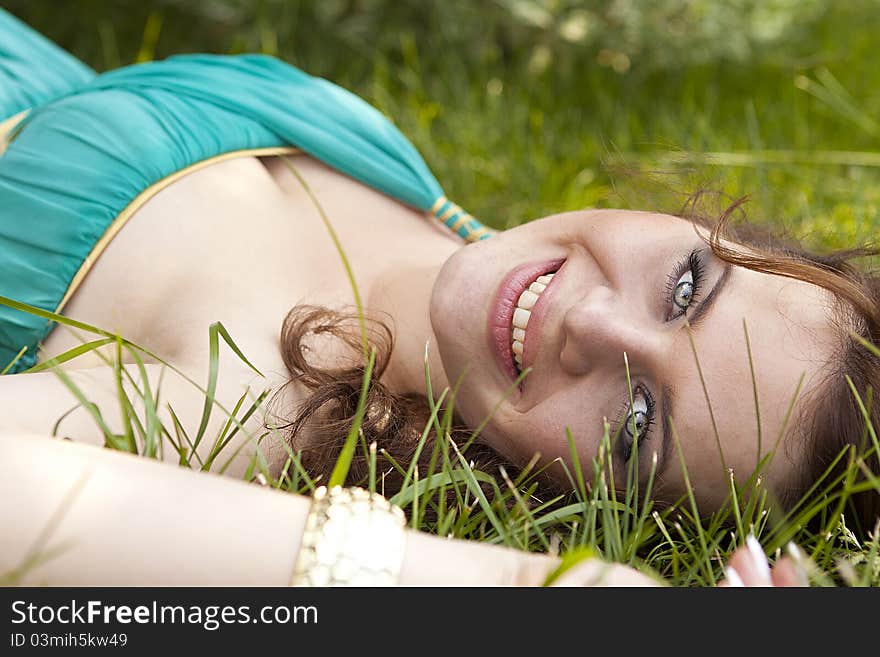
(88,516)
(34,403)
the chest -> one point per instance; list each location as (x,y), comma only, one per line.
(240,242)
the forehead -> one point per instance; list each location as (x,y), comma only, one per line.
(790,337)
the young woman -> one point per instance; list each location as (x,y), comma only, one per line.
(155,200)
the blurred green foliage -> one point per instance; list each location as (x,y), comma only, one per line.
(527,107)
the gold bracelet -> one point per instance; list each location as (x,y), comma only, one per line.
(352,538)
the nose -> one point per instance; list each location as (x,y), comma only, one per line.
(601,326)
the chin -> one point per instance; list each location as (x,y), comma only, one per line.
(458,307)
(458,320)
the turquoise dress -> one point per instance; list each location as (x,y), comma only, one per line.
(33,70)
(79,163)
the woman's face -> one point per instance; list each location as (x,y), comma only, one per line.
(626,285)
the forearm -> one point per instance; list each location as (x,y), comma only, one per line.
(115,519)
(433,561)
(36,403)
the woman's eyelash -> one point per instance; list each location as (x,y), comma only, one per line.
(694,264)
(625,439)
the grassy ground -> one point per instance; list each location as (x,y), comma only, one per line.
(523,111)
(523,108)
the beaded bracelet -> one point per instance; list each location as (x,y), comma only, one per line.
(352,538)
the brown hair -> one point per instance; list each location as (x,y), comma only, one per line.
(394,422)
(831,419)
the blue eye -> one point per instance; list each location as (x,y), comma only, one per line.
(638,420)
(682,288)
(683,284)
(683,293)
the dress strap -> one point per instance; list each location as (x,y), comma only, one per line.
(458,221)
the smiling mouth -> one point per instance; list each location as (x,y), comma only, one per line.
(522,313)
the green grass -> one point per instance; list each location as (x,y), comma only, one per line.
(518,121)
(600,517)
(525,108)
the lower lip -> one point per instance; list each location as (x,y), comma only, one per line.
(503,305)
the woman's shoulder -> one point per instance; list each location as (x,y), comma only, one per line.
(239,242)
(185,253)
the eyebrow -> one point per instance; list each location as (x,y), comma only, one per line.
(667,403)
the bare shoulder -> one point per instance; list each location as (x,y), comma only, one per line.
(190,256)
(239,242)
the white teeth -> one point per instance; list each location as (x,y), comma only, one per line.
(527,300)
(522,314)
(521,318)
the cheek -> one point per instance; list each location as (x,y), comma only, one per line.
(542,430)
(450,323)
(519,438)
(461,295)
(446,292)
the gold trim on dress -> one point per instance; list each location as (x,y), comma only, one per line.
(476,234)
(461,221)
(139,201)
(452,210)
(438,204)
(7,126)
